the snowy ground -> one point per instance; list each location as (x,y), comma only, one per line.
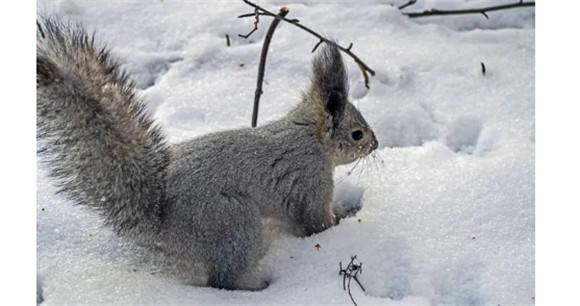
(448,205)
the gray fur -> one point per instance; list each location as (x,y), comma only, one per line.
(204,200)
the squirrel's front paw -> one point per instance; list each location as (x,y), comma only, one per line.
(317,227)
(347,200)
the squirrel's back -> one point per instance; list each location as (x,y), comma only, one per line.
(100,145)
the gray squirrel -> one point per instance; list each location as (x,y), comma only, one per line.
(203,200)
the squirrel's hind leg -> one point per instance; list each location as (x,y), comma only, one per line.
(237,252)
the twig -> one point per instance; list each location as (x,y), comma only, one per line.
(351,272)
(364,68)
(484,10)
(261,68)
(39,27)
(482,72)
(256,21)
(263,14)
(316,46)
(227,40)
(251,15)
(411,2)
(365,75)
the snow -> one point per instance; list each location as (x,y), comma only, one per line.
(448,202)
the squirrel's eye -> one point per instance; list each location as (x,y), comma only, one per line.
(357,135)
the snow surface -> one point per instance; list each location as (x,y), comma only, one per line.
(448,201)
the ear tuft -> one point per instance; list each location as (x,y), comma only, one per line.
(329,82)
(329,71)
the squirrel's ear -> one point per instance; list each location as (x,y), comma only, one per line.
(329,81)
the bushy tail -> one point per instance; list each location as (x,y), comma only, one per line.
(101,147)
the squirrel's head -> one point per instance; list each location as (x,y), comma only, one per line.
(339,125)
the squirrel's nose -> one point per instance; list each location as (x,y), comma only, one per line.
(374,143)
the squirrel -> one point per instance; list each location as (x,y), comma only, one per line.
(203,200)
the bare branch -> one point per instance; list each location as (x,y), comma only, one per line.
(256,21)
(262,66)
(350,294)
(351,271)
(252,15)
(364,68)
(484,10)
(316,46)
(365,75)
(40,30)
(357,281)
(263,14)
(411,2)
